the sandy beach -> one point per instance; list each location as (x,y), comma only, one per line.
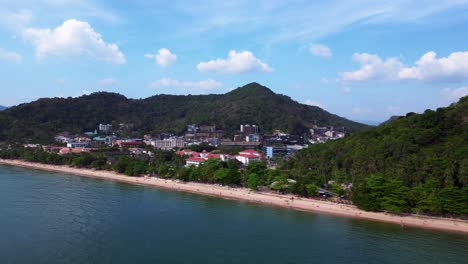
(288,201)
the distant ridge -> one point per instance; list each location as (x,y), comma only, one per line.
(249,104)
(3,107)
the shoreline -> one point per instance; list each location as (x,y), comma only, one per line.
(285,201)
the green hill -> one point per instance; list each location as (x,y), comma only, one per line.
(417,163)
(251,104)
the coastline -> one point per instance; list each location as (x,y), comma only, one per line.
(286,201)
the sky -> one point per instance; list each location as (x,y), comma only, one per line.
(364,60)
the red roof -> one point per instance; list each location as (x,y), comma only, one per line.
(214,156)
(197,159)
(195,154)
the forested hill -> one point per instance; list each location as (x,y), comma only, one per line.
(416,163)
(251,104)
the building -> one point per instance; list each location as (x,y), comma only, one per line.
(192,128)
(77,144)
(275,151)
(169,143)
(105,128)
(252,138)
(243,144)
(194,161)
(129,144)
(247,156)
(246,159)
(64,151)
(249,129)
(207,129)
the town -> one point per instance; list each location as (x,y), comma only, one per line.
(247,145)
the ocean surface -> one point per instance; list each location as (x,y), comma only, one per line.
(57,218)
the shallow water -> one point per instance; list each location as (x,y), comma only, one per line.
(57,218)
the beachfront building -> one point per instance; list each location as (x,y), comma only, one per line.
(194,161)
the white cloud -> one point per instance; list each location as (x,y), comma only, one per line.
(164,57)
(85,92)
(10,56)
(15,20)
(373,68)
(237,62)
(453,67)
(107,82)
(320,50)
(204,85)
(72,39)
(313,103)
(428,68)
(453,95)
(303,21)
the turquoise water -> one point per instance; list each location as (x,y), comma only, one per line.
(57,218)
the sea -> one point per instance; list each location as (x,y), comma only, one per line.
(48,217)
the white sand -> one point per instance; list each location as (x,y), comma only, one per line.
(289,201)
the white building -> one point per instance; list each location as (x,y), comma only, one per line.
(194,161)
(77,144)
(105,127)
(168,143)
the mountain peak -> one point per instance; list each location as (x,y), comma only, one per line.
(252,89)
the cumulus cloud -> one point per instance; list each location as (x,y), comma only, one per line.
(453,95)
(164,57)
(313,103)
(453,67)
(320,50)
(237,62)
(428,68)
(72,39)
(204,85)
(107,82)
(10,56)
(373,68)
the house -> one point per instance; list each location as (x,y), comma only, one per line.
(194,161)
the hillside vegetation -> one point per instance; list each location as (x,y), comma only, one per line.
(417,163)
(250,104)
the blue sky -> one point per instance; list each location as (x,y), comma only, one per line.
(365,60)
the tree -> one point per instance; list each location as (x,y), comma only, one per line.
(253,181)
